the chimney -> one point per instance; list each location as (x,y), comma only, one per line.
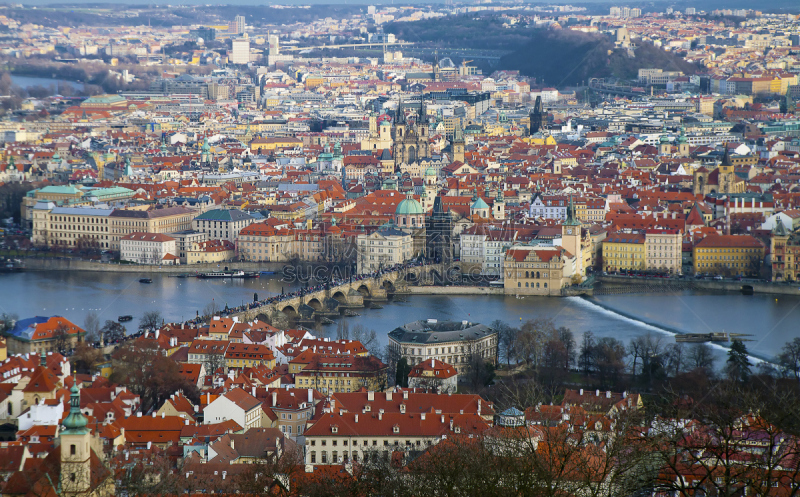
(370,396)
(608,394)
(479,406)
(405,394)
(388,396)
(451,424)
(157,333)
(356,418)
(149,445)
(232,444)
(163,415)
(422,416)
(274,399)
(310,395)
(442,418)
(380,415)
(597,393)
(581,392)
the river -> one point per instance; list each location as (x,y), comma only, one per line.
(29,81)
(772,321)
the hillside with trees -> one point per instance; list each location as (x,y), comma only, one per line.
(565,57)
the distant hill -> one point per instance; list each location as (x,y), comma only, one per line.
(565,57)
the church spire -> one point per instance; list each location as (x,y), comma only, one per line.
(571,219)
(75,423)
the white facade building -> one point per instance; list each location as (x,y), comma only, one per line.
(148,248)
(240,51)
(386,247)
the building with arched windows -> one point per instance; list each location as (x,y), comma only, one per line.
(452,342)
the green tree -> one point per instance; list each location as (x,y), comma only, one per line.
(403,368)
(738,364)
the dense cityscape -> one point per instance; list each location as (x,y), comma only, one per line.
(450,249)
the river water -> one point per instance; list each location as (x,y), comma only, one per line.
(29,81)
(771,321)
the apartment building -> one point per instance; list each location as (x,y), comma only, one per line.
(663,249)
(624,252)
(262,242)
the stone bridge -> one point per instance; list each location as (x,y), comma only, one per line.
(354,294)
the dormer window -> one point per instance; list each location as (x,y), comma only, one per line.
(396,429)
(334,429)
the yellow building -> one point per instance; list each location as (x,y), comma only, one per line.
(248,355)
(212,251)
(531,270)
(342,373)
(102,228)
(624,252)
(262,145)
(544,140)
(43,334)
(729,255)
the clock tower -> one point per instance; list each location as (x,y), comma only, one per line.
(571,237)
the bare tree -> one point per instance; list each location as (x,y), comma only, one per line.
(211,309)
(150,320)
(701,357)
(789,359)
(91,324)
(62,341)
(368,338)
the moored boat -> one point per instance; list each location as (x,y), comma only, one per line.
(125,318)
(145,280)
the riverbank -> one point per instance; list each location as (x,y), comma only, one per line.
(36,264)
(638,284)
(454,290)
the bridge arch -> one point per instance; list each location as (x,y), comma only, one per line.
(315,304)
(290,311)
(340,296)
(388,285)
(364,290)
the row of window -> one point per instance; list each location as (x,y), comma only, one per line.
(519,285)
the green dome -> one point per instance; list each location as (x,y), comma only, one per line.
(479,204)
(76,422)
(430,172)
(682,137)
(664,138)
(409,207)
